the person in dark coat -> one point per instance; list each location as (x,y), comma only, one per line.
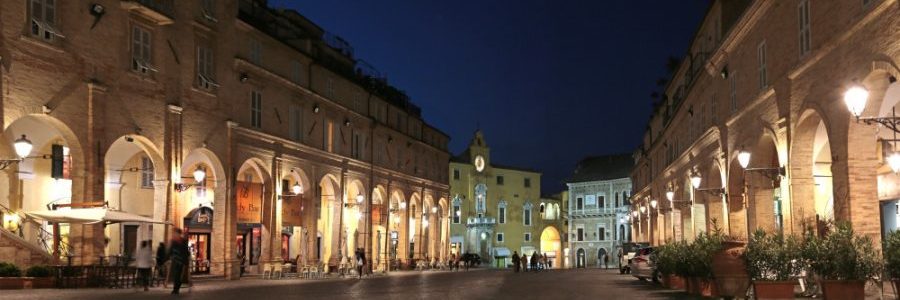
(178,253)
(515,261)
(360,261)
(534,261)
(161,259)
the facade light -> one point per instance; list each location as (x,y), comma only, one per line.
(695,180)
(653,203)
(856,97)
(297,189)
(359,198)
(424,223)
(434,209)
(402,205)
(643,209)
(458,213)
(23,147)
(199,174)
(744,158)
(670,194)
(893,160)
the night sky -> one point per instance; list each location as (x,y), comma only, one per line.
(549,82)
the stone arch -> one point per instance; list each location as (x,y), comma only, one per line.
(297,214)
(397,226)
(737,220)
(414,232)
(551,245)
(135,182)
(256,186)
(811,175)
(354,214)
(764,192)
(213,187)
(329,207)
(716,204)
(380,222)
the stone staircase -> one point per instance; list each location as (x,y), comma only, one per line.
(20,252)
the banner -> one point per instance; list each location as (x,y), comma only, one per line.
(290,210)
(249,201)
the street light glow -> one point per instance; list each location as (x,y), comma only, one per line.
(359,198)
(744,158)
(855,98)
(653,203)
(695,180)
(643,209)
(670,194)
(893,160)
(23,146)
(297,189)
(199,174)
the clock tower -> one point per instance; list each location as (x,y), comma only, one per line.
(479,152)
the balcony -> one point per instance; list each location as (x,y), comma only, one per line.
(599,212)
(481,221)
(161,12)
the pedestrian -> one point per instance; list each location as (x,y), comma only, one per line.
(515,261)
(178,254)
(161,260)
(534,261)
(144,263)
(456,263)
(360,261)
(606,261)
(524,261)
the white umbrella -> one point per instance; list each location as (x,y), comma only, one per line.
(91,216)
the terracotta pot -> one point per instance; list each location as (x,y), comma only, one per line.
(774,289)
(844,289)
(664,281)
(11,283)
(708,288)
(730,271)
(676,282)
(693,285)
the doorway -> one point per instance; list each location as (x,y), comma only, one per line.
(199,247)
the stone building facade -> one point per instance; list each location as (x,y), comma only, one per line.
(598,210)
(767,79)
(307,152)
(498,210)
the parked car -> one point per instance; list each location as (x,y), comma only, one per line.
(626,253)
(642,266)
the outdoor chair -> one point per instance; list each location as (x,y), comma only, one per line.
(304,272)
(267,271)
(277,271)
(314,272)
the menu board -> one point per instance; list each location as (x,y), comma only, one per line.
(290,210)
(249,201)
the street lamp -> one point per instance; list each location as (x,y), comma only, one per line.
(199,176)
(743,158)
(424,223)
(22,147)
(359,198)
(297,189)
(695,180)
(643,209)
(670,194)
(653,203)
(856,97)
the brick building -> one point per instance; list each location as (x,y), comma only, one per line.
(252,127)
(764,81)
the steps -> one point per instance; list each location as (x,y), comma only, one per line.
(20,252)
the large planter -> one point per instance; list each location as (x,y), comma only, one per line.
(772,290)
(12,283)
(707,287)
(844,289)
(730,271)
(691,285)
(40,282)
(676,282)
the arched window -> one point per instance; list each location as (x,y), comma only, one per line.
(457,210)
(526,214)
(480,198)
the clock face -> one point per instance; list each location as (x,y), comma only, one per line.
(479,163)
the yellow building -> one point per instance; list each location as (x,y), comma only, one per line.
(498,210)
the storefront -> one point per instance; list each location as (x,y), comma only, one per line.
(199,228)
(248,239)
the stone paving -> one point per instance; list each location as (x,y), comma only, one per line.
(474,284)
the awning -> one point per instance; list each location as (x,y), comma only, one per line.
(91,216)
(501,252)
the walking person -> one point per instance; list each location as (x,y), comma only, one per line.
(534,261)
(524,261)
(178,254)
(144,263)
(515,261)
(161,260)
(360,262)
(606,261)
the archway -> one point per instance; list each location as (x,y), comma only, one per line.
(353,234)
(296,219)
(764,187)
(444,229)
(135,183)
(580,258)
(329,219)
(36,183)
(737,219)
(811,178)
(414,250)
(602,258)
(380,224)
(429,226)
(397,227)
(253,189)
(202,227)
(551,246)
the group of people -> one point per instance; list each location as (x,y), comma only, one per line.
(536,263)
(177,253)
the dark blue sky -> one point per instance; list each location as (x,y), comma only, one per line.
(549,82)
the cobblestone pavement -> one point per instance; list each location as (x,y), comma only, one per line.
(474,284)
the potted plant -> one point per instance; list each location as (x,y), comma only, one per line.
(700,257)
(843,260)
(10,276)
(664,258)
(41,277)
(680,267)
(727,264)
(772,260)
(892,258)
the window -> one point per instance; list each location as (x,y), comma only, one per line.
(761,57)
(526,214)
(295,114)
(455,174)
(528,236)
(803,17)
(580,236)
(146,173)
(601,201)
(206,78)
(356,150)
(328,136)
(579,203)
(500,237)
(527,182)
(617,199)
(208,8)
(141,58)
(255,109)
(297,71)
(43,19)
(501,213)
(457,213)
(499,180)
(601,234)
(733,97)
(255,51)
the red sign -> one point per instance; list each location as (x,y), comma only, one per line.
(290,210)
(249,201)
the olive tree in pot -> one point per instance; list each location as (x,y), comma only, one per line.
(10,276)
(40,277)
(700,257)
(772,261)
(728,265)
(844,261)
(892,258)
